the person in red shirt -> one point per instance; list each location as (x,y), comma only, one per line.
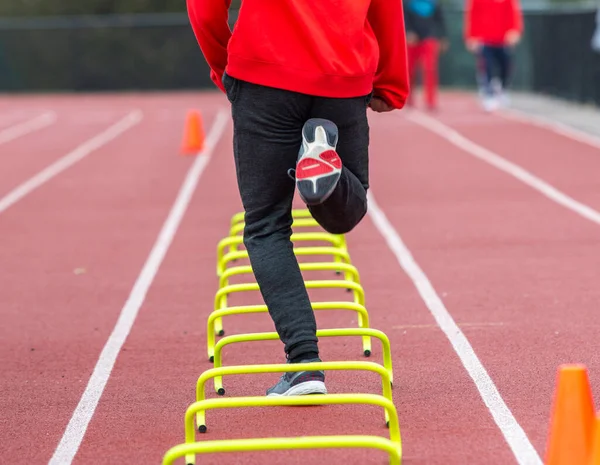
(492,29)
(300,76)
(426,37)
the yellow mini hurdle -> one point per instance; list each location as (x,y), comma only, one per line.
(301,219)
(340,332)
(198,410)
(238,228)
(298,223)
(337,253)
(356,289)
(350,271)
(363,320)
(224,292)
(350,274)
(386,382)
(335,241)
(308,442)
(296,213)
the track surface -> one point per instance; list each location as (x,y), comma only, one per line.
(517,272)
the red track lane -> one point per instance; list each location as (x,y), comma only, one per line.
(516,271)
(79,118)
(10,118)
(100,217)
(16,110)
(520,267)
(25,156)
(567,164)
(154,378)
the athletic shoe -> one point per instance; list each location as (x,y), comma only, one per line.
(490,103)
(300,383)
(503,100)
(319,167)
(496,86)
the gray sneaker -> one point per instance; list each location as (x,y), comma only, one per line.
(300,383)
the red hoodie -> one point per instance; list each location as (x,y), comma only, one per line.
(489,20)
(325,48)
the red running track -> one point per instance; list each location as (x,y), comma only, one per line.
(517,272)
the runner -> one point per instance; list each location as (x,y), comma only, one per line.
(492,29)
(300,76)
(426,38)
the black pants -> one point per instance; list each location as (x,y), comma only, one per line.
(267,137)
(495,58)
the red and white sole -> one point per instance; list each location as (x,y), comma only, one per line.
(319,160)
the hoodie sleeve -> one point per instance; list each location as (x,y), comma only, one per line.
(470,12)
(209,20)
(386,18)
(517,16)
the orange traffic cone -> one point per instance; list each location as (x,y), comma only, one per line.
(572,423)
(594,458)
(193,137)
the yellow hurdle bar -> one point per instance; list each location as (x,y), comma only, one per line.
(223,293)
(296,213)
(337,253)
(295,237)
(198,409)
(297,223)
(292,367)
(363,319)
(357,290)
(349,270)
(306,442)
(252,337)
(237,228)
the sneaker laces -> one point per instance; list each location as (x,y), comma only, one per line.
(292,174)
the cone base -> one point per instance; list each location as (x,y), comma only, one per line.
(572,423)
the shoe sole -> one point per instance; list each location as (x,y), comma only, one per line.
(319,167)
(490,107)
(303,389)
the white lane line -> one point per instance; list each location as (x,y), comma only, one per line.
(27,127)
(516,438)
(551,125)
(70,159)
(75,431)
(470,147)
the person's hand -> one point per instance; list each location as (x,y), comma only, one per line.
(444,45)
(379,105)
(411,38)
(512,38)
(473,45)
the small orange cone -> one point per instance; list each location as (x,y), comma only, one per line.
(193,137)
(572,423)
(594,458)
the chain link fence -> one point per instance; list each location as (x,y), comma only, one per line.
(159,52)
(555,57)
